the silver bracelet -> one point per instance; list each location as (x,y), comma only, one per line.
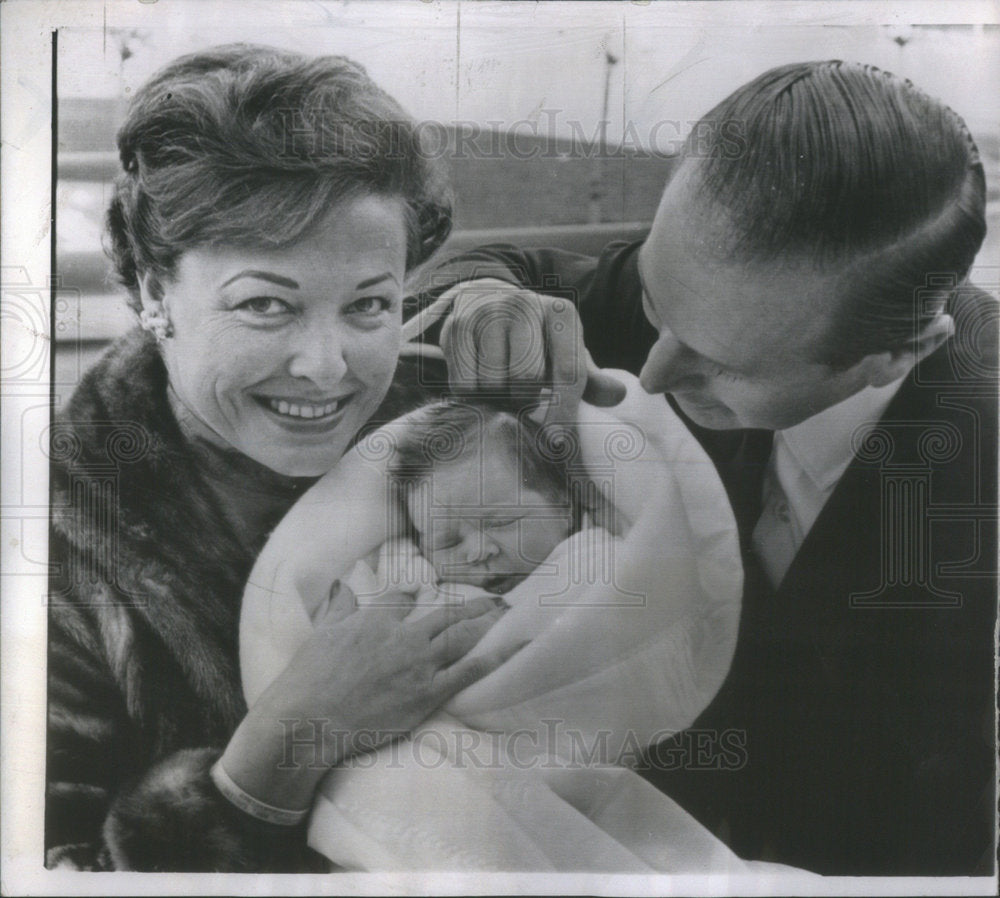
(253,806)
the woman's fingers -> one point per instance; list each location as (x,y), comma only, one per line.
(466,671)
(394,603)
(461,637)
(342,603)
(437,621)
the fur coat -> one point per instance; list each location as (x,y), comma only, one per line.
(143,675)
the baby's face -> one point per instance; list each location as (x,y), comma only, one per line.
(478,524)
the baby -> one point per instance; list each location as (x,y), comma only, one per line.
(621,637)
(487,500)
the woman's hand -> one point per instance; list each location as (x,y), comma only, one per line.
(365,676)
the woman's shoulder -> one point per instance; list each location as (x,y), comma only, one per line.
(129,374)
(143,564)
(119,410)
(123,478)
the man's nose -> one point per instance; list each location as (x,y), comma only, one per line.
(317,354)
(670,366)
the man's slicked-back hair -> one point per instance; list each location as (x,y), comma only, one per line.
(253,146)
(856,172)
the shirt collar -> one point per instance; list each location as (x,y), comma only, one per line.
(823,445)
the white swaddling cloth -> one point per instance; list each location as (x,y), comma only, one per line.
(527,769)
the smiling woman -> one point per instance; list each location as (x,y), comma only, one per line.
(268,209)
(284,354)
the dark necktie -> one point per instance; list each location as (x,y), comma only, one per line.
(743,475)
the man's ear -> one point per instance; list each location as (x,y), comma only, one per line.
(882,368)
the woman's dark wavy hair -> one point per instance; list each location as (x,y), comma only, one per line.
(251,146)
(853,170)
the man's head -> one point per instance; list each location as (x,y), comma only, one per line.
(487,498)
(788,269)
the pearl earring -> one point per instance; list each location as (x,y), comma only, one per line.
(157,323)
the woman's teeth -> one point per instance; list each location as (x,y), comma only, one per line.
(302,409)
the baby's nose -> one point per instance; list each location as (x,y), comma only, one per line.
(478,547)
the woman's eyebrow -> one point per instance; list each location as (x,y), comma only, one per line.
(264,276)
(371,282)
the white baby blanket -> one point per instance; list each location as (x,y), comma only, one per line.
(528,769)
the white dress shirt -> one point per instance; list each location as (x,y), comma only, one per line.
(807,460)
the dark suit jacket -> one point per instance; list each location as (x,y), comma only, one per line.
(854,733)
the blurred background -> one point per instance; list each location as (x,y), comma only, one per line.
(559,118)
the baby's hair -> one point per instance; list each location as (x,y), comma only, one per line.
(854,171)
(451,431)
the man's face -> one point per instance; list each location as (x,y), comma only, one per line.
(738,344)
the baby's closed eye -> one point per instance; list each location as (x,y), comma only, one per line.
(497,523)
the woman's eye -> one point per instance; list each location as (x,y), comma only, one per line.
(501,522)
(370,305)
(264,305)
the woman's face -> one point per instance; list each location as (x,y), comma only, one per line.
(283,354)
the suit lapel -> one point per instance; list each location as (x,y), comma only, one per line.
(840,558)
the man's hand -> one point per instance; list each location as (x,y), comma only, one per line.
(504,340)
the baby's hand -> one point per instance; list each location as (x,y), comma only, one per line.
(401,567)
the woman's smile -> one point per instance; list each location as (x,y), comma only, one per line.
(318,411)
(284,354)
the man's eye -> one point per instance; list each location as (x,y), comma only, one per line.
(370,305)
(647,308)
(724,373)
(496,523)
(264,305)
